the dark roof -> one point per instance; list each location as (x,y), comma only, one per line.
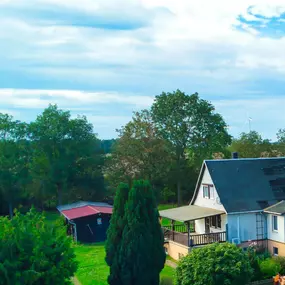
(278,208)
(247,184)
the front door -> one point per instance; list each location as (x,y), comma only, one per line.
(207,225)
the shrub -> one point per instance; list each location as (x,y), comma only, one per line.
(215,264)
(281,260)
(269,267)
(254,263)
(33,252)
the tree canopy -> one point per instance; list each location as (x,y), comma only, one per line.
(52,160)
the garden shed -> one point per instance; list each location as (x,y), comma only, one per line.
(87,221)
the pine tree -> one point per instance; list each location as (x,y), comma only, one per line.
(114,234)
(142,255)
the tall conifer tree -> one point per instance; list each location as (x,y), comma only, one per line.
(114,234)
(142,255)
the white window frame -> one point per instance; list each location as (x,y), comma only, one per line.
(273,224)
(208,191)
(211,192)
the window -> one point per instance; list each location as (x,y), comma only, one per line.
(275,223)
(275,250)
(208,191)
(216,222)
(99,221)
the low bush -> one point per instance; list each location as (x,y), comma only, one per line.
(269,267)
(215,264)
(281,260)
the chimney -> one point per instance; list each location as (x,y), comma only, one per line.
(235,155)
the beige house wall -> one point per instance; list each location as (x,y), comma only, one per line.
(279,245)
(176,250)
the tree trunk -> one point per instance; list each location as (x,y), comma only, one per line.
(179,202)
(11,210)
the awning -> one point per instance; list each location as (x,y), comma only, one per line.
(189,213)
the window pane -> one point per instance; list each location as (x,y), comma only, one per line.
(206,191)
(275,223)
(211,192)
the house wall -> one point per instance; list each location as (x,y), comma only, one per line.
(200,226)
(278,236)
(204,202)
(176,250)
(243,226)
(279,245)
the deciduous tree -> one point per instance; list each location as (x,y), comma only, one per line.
(188,122)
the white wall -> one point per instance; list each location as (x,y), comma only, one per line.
(273,235)
(247,226)
(204,202)
(200,226)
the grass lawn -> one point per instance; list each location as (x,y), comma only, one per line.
(93,270)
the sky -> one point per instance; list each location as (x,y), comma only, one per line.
(107,58)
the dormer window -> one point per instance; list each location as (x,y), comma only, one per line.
(208,191)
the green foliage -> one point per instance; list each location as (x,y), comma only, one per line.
(254,263)
(34,252)
(142,254)
(52,160)
(188,122)
(269,267)
(281,260)
(115,233)
(216,264)
(139,153)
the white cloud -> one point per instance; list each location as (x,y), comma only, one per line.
(34,98)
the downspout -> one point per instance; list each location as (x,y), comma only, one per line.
(75,231)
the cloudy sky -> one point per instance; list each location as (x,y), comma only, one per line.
(107,58)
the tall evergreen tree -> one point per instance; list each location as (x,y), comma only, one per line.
(115,232)
(142,255)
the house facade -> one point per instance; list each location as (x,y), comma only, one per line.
(234,201)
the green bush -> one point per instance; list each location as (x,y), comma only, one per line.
(33,252)
(269,267)
(254,263)
(215,264)
(281,260)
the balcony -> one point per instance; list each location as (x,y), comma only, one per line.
(192,239)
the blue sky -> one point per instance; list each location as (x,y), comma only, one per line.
(107,58)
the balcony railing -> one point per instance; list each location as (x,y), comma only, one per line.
(194,240)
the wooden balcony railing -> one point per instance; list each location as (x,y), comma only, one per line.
(181,228)
(194,240)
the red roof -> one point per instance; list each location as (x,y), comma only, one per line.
(85,211)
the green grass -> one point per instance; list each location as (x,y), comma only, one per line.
(93,270)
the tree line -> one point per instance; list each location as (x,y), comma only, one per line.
(167,143)
(52,160)
(58,159)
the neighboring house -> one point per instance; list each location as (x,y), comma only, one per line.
(235,200)
(87,221)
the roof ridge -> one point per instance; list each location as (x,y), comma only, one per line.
(266,209)
(93,208)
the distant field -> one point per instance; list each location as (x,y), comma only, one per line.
(92,267)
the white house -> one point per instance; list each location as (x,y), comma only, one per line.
(235,200)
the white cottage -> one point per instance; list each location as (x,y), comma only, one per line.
(235,200)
